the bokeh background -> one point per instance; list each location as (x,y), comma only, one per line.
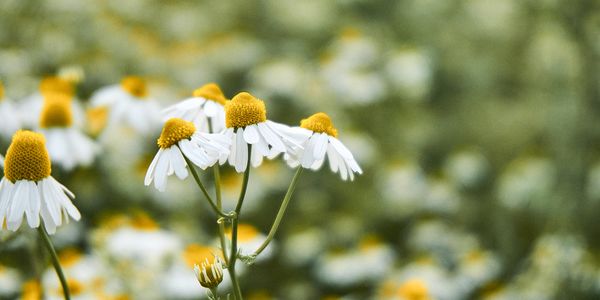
(475,121)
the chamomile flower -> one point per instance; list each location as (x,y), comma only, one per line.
(209,274)
(28,188)
(206,109)
(247,124)
(320,139)
(9,115)
(180,138)
(67,145)
(129,105)
(32,105)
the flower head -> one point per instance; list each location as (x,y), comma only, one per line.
(28,188)
(209,274)
(320,139)
(135,86)
(180,140)
(212,92)
(56,85)
(56,111)
(243,110)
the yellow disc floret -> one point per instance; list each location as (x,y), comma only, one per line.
(413,289)
(56,111)
(135,86)
(195,254)
(27,157)
(56,85)
(211,91)
(1,91)
(175,130)
(243,110)
(319,122)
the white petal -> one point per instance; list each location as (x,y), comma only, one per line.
(341,149)
(151,168)
(241,157)
(320,145)
(179,164)
(333,159)
(308,154)
(257,157)
(251,134)
(33,210)
(271,137)
(160,174)
(65,202)
(18,205)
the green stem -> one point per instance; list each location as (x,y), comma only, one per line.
(280,213)
(222,239)
(55,262)
(204,191)
(213,291)
(234,228)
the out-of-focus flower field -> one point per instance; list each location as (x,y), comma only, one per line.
(476,123)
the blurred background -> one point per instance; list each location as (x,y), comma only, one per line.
(475,122)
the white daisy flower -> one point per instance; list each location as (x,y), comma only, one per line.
(9,115)
(67,145)
(27,187)
(129,105)
(247,124)
(180,138)
(320,140)
(31,106)
(207,106)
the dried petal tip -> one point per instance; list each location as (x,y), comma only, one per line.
(27,157)
(56,111)
(243,110)
(211,91)
(135,86)
(175,130)
(56,85)
(209,274)
(319,122)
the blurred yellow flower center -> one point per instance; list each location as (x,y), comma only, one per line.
(135,86)
(370,242)
(143,221)
(246,232)
(56,85)
(319,122)
(1,91)
(56,112)
(69,257)
(195,254)
(175,130)
(413,289)
(243,110)
(96,119)
(27,157)
(211,91)
(32,290)
(76,287)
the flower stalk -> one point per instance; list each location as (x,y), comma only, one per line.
(55,262)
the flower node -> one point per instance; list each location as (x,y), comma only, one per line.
(319,122)
(56,85)
(135,86)
(27,157)
(211,91)
(56,111)
(243,110)
(209,274)
(175,130)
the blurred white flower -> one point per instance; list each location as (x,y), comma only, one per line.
(10,282)
(9,115)
(411,74)
(467,168)
(527,181)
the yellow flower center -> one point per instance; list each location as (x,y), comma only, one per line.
(246,232)
(69,257)
(175,130)
(319,122)
(27,157)
(1,91)
(135,85)
(76,287)
(143,221)
(56,85)
(56,111)
(211,91)
(97,118)
(243,110)
(32,290)
(195,254)
(413,289)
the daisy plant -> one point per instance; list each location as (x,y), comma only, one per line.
(29,190)
(243,138)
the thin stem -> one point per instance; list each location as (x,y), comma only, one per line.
(204,191)
(55,262)
(213,291)
(280,213)
(234,229)
(222,239)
